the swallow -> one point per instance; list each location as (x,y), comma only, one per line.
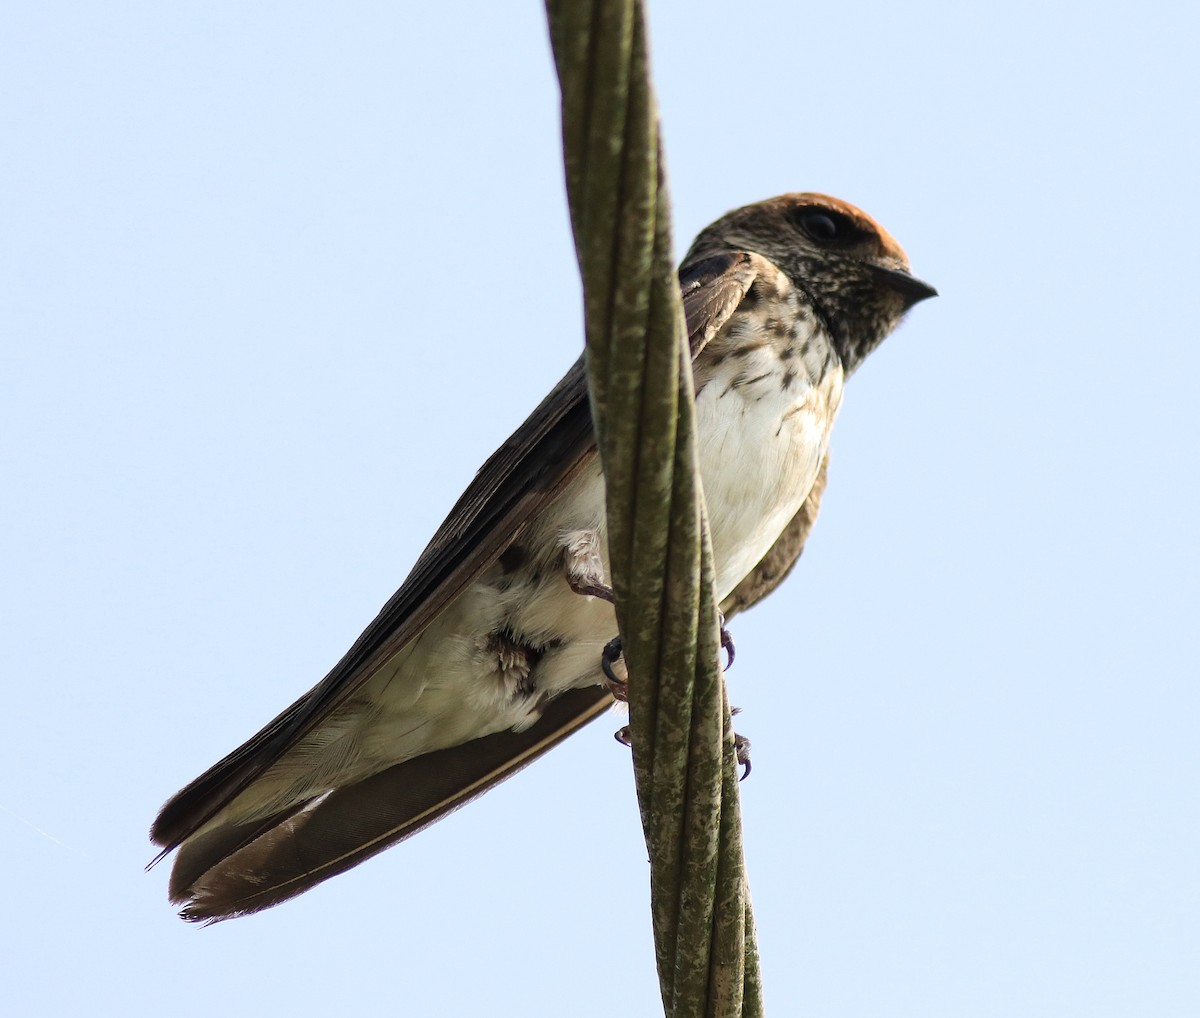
(490,652)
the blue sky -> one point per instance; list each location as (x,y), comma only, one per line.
(276,278)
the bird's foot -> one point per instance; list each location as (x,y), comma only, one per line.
(613,666)
(611,662)
(741,747)
(726,642)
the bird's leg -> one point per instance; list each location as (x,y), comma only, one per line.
(726,641)
(610,661)
(741,747)
(583,566)
(584,570)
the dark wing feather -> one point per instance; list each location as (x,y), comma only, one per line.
(526,473)
(712,287)
(353,823)
(520,478)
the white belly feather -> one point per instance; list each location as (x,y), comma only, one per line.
(760,443)
(758,460)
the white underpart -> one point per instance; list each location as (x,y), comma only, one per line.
(760,448)
(758,459)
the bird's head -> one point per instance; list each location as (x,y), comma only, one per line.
(855,275)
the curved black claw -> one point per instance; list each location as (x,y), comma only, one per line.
(741,747)
(611,654)
(726,641)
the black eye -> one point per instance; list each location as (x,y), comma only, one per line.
(821,227)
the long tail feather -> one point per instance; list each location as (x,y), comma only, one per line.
(237,870)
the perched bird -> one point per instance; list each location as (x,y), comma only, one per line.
(490,652)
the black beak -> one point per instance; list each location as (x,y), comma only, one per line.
(913,290)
